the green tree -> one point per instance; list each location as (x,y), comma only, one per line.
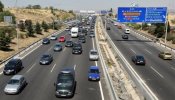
(30,29)
(38,29)
(168,28)
(1,6)
(45,26)
(22,27)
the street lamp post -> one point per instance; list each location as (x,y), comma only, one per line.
(166,26)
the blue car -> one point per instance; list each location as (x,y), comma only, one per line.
(94,74)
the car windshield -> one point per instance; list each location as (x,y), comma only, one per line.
(140,58)
(53,36)
(94,71)
(57,45)
(14,81)
(45,56)
(45,39)
(65,81)
(93,52)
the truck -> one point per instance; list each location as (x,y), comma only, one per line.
(74,32)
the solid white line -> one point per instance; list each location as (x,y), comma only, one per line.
(93,44)
(148,51)
(1,73)
(173,68)
(31,67)
(133,51)
(49,49)
(53,68)
(64,49)
(75,67)
(157,72)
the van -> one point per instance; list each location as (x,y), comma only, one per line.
(127,31)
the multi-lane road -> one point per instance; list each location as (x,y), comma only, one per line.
(41,78)
(158,74)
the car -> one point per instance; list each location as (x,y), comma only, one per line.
(108,28)
(119,27)
(67,29)
(46,59)
(57,47)
(81,39)
(165,55)
(77,48)
(84,31)
(69,43)
(13,66)
(93,55)
(94,73)
(62,39)
(46,41)
(66,83)
(125,37)
(15,84)
(53,37)
(127,31)
(91,34)
(138,60)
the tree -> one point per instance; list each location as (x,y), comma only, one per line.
(30,29)
(36,7)
(45,26)
(29,7)
(168,28)
(38,29)
(21,26)
(1,6)
(6,13)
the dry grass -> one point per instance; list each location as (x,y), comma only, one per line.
(171,17)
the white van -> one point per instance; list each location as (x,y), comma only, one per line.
(74,32)
(127,31)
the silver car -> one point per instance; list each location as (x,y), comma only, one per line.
(93,55)
(15,85)
(53,37)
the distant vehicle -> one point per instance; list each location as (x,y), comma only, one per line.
(125,36)
(77,48)
(65,84)
(15,85)
(127,31)
(138,60)
(46,41)
(57,47)
(62,39)
(119,27)
(84,31)
(166,55)
(93,55)
(13,67)
(69,44)
(46,59)
(115,23)
(82,39)
(94,73)
(67,29)
(53,37)
(108,28)
(74,32)
(91,34)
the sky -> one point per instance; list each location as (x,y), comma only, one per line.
(90,4)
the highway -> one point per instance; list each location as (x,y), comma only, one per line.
(158,74)
(41,78)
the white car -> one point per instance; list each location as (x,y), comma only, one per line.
(53,37)
(93,55)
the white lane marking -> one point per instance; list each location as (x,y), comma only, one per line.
(53,68)
(100,86)
(133,51)
(31,51)
(49,49)
(173,68)
(75,67)
(157,72)
(148,51)
(31,67)
(1,73)
(64,49)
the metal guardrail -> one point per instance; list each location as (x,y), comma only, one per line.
(24,49)
(108,79)
(146,91)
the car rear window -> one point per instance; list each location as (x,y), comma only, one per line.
(94,71)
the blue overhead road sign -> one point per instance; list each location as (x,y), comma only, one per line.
(156,14)
(131,14)
(142,14)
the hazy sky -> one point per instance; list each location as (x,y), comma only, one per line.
(90,4)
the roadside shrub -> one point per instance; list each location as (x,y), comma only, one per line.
(170,37)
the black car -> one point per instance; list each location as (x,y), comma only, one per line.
(125,36)
(108,28)
(46,41)
(46,59)
(13,66)
(91,34)
(138,60)
(57,47)
(77,48)
(69,44)
(82,39)
(84,31)
(65,84)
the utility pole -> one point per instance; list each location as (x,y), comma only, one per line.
(166,26)
(17,27)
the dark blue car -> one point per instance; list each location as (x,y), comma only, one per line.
(94,74)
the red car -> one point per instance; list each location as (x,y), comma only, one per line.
(62,39)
